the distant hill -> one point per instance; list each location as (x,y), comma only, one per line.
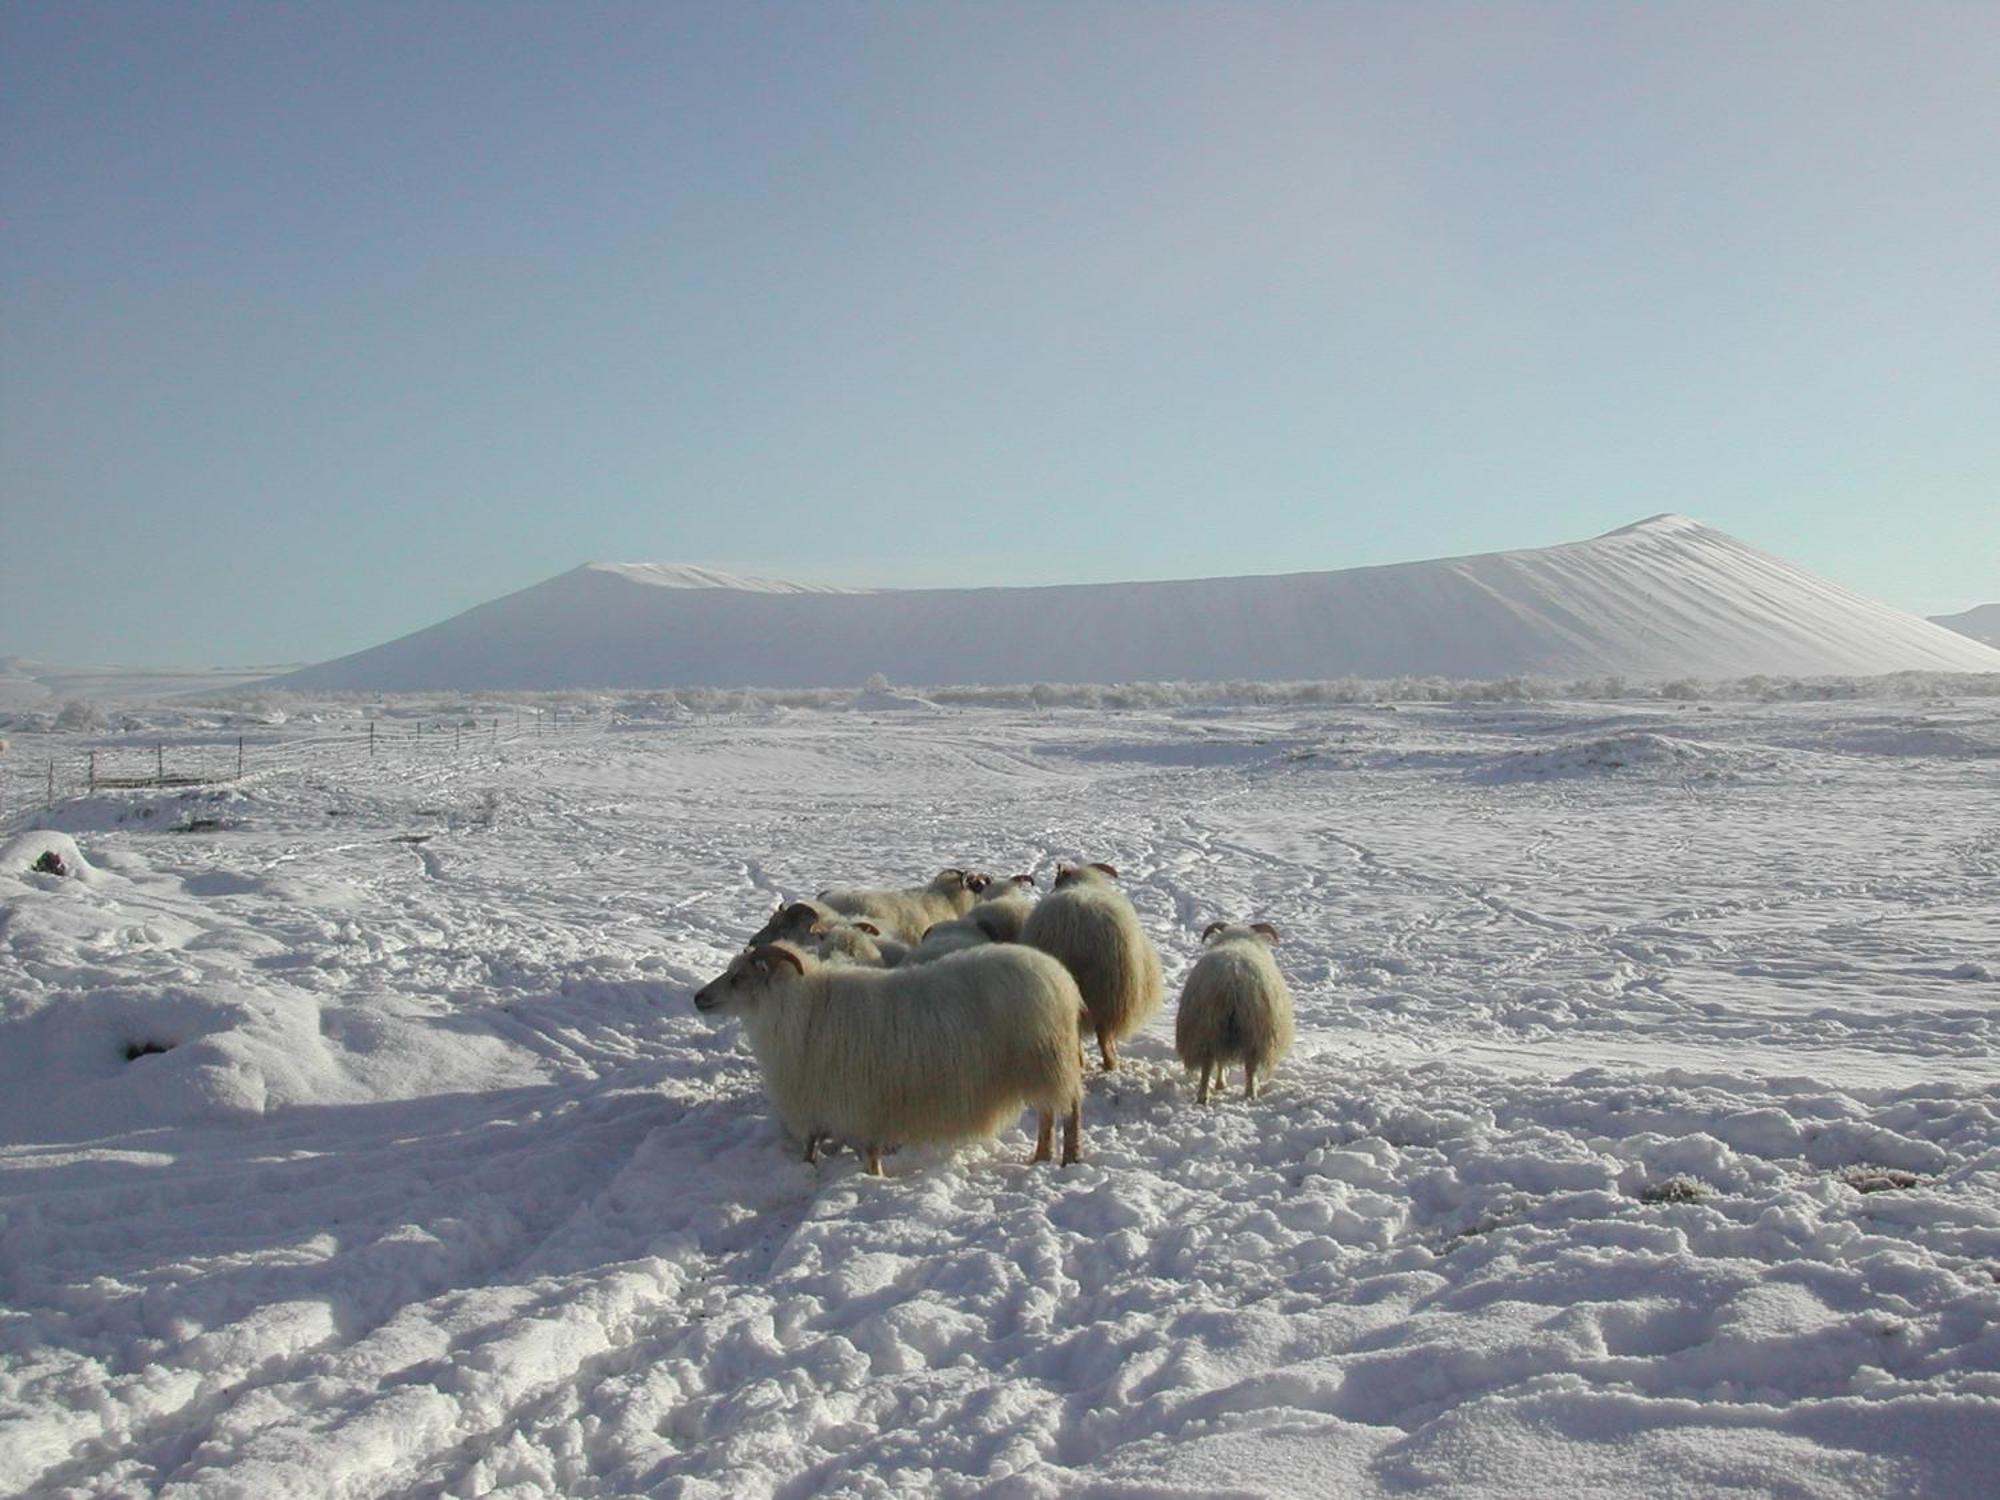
(1982,623)
(1667,597)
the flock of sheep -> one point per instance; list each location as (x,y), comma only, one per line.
(881,1017)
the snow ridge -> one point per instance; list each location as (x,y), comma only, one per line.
(1666,597)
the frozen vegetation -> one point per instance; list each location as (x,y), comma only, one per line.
(1641,1133)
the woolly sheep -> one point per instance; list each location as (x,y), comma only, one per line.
(830,934)
(942,1052)
(859,943)
(1234,1007)
(794,922)
(904,914)
(1002,906)
(1088,924)
(946,938)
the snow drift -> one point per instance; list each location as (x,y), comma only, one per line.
(1666,597)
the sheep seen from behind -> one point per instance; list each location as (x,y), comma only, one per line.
(1235,1007)
(1087,923)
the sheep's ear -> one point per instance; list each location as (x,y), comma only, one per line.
(1265,931)
(1105,868)
(1211,930)
(767,958)
(869,927)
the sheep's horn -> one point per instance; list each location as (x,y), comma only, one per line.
(1212,929)
(870,928)
(1027,880)
(1105,868)
(772,953)
(1265,931)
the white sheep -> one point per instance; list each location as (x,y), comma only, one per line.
(830,934)
(878,1057)
(999,912)
(1235,1007)
(859,942)
(904,914)
(946,938)
(1001,907)
(1088,924)
(795,922)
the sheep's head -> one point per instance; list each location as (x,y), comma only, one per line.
(1000,890)
(1264,932)
(748,975)
(1069,874)
(977,881)
(792,920)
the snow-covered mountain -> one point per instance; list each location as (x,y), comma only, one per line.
(1982,623)
(1667,597)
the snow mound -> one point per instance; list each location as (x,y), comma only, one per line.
(21,853)
(875,701)
(1919,740)
(1664,598)
(1638,752)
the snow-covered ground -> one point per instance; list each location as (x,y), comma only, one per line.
(1643,1134)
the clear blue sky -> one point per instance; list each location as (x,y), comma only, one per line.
(321,323)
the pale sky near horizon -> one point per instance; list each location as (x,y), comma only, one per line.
(319,324)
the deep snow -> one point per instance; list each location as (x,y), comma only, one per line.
(1640,1137)
(1663,598)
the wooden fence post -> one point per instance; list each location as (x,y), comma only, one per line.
(52,781)
(159,762)
(93,773)
(239,757)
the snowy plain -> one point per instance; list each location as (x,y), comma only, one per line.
(1642,1137)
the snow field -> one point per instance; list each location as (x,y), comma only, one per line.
(442,1188)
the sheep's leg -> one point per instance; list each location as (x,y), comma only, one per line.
(1073,1133)
(1249,1079)
(1110,1050)
(1202,1096)
(874,1154)
(812,1148)
(1045,1135)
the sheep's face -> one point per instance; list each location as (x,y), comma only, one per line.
(749,974)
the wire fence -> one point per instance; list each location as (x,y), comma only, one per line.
(41,772)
